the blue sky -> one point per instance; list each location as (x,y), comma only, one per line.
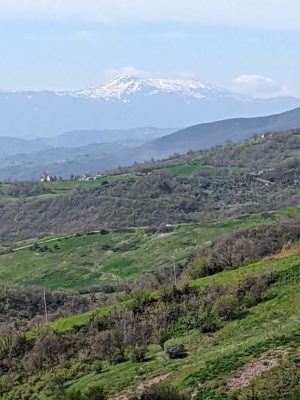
(251,47)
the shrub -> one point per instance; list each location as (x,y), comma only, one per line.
(176,351)
(209,324)
(141,300)
(138,354)
(162,336)
(159,392)
(98,367)
(6,382)
(197,268)
(94,392)
(226,307)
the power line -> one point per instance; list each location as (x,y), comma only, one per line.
(45,308)
(174,270)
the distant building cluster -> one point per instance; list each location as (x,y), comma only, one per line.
(52,178)
(86,177)
(49,178)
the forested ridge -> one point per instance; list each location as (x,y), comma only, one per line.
(254,176)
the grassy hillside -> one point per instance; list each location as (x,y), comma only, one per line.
(80,261)
(187,170)
(270,325)
(215,358)
(277,263)
(216,363)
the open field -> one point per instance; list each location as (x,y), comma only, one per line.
(187,170)
(79,261)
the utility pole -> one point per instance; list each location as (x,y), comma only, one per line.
(174,270)
(45,307)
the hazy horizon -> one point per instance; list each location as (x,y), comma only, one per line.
(251,48)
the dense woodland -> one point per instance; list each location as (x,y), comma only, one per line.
(261,175)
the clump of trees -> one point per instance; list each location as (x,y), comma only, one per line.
(23,306)
(22,190)
(244,246)
(125,334)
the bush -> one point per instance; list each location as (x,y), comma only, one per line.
(94,392)
(162,336)
(176,351)
(209,324)
(138,354)
(98,367)
(197,268)
(226,307)
(160,393)
(6,382)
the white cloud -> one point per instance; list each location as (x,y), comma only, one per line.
(263,86)
(256,85)
(252,13)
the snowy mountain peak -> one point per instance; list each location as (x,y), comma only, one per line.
(124,87)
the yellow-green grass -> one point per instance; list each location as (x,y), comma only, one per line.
(187,170)
(80,261)
(246,271)
(235,276)
(76,262)
(65,325)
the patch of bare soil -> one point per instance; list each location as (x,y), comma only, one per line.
(143,386)
(253,369)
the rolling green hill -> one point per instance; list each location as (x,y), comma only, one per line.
(83,260)
(219,365)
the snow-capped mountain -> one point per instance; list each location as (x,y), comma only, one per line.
(128,102)
(126,87)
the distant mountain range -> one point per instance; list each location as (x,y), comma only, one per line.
(72,152)
(10,146)
(128,102)
(129,137)
(98,157)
